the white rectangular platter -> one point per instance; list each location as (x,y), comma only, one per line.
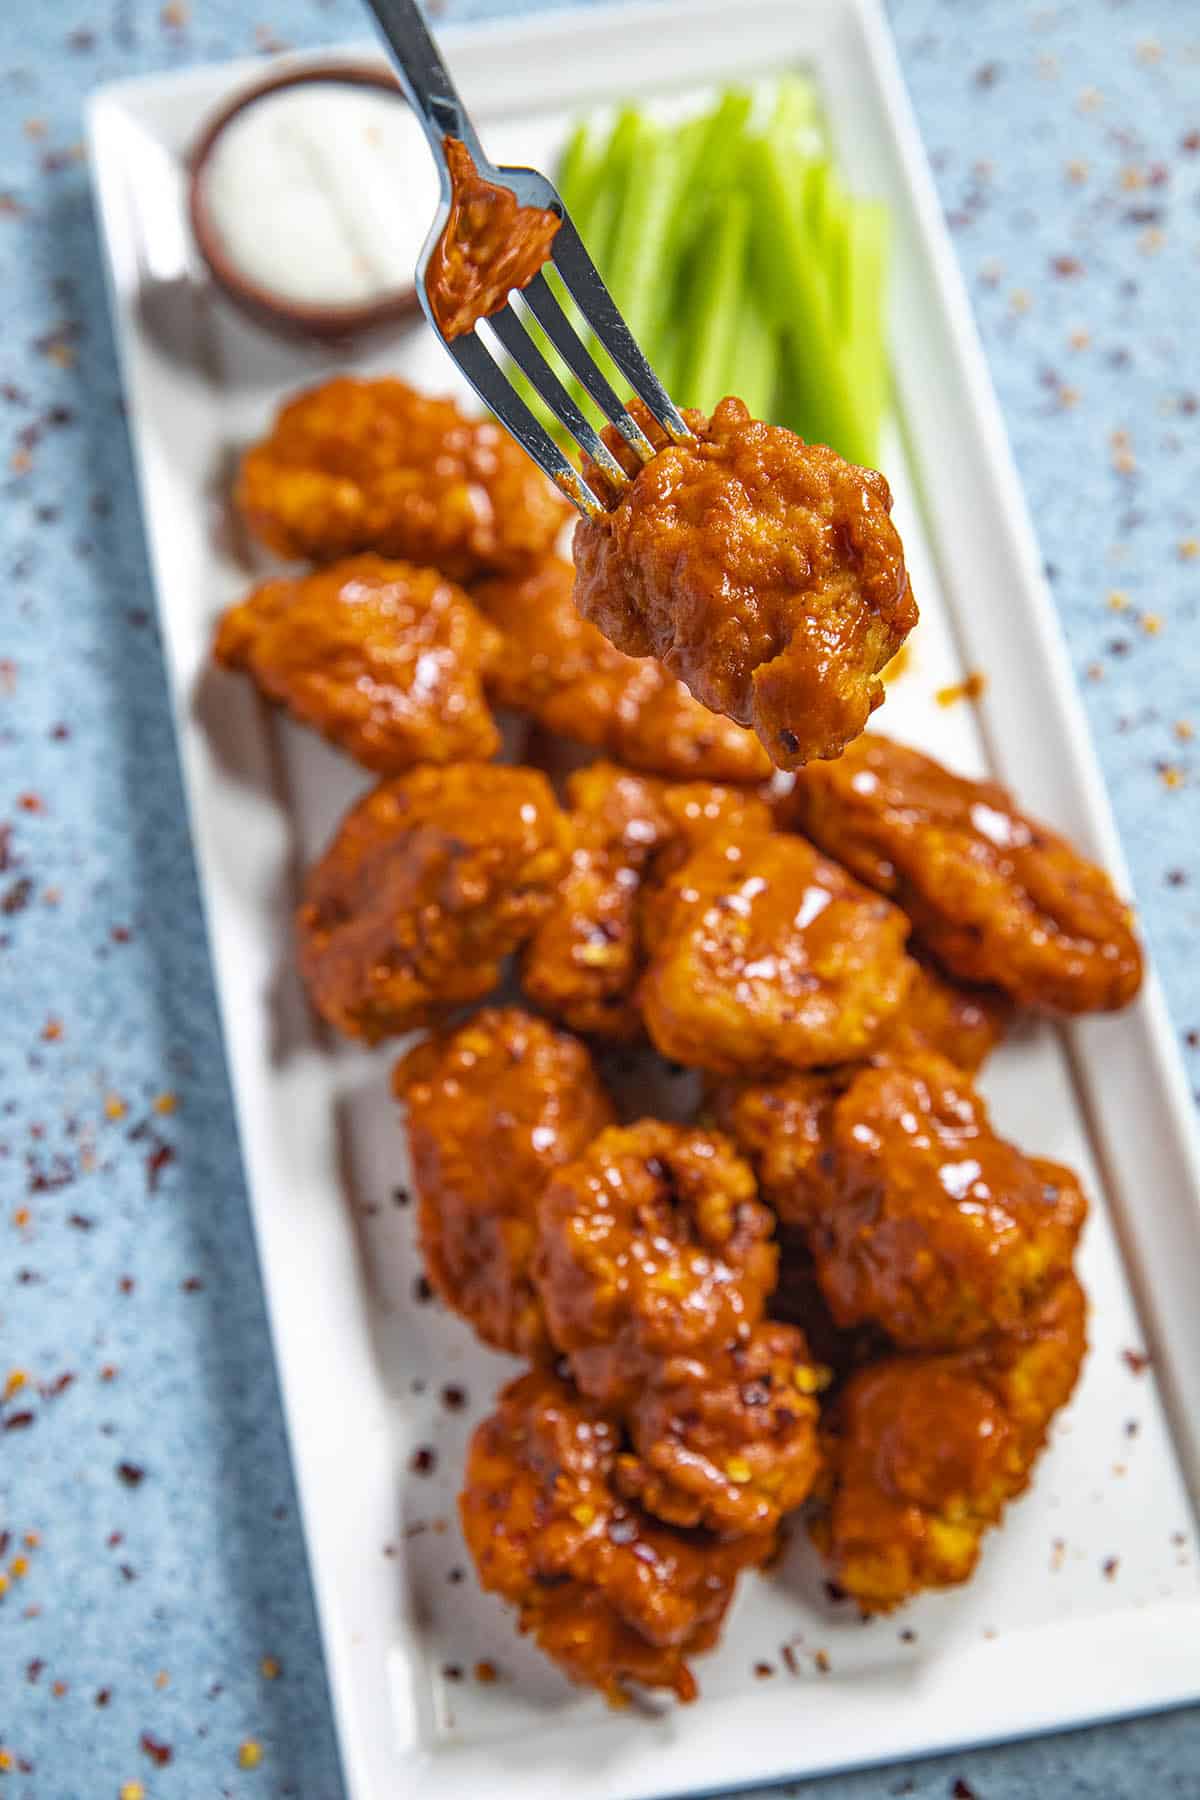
(1087,1601)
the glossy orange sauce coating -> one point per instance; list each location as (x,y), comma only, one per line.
(357,464)
(493,1109)
(764,955)
(429,882)
(763,571)
(583,962)
(995,896)
(924,1452)
(382,658)
(564,673)
(728,1441)
(652,1244)
(930,1225)
(489,245)
(612,1595)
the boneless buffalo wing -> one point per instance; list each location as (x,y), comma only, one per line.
(994,895)
(920,1219)
(763,571)
(564,673)
(373,465)
(382,658)
(611,1594)
(629,833)
(924,1452)
(763,954)
(652,1244)
(493,1109)
(727,1440)
(430,881)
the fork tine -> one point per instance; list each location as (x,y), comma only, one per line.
(497,392)
(542,302)
(525,353)
(594,301)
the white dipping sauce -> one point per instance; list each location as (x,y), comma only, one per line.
(323,193)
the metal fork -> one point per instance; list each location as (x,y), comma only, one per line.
(436,102)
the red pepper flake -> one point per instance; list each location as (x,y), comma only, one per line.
(160,1754)
(822,1661)
(52,1031)
(791,1661)
(1136,1361)
(18,1421)
(114,1538)
(60,733)
(157,1159)
(127,1284)
(17,897)
(58,1386)
(423,1461)
(78,1222)
(130,1474)
(5,1541)
(1110,1565)
(962,1790)
(486,1672)
(192,1284)
(128,1572)
(30,803)
(120,934)
(1067,266)
(58,1689)
(103,1696)
(763,1671)
(34,1668)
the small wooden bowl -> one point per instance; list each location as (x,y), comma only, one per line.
(292,318)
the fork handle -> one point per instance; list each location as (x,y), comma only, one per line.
(426,80)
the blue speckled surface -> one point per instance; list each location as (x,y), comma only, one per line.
(145,1453)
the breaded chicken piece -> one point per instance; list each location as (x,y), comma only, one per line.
(962,1023)
(565,674)
(373,465)
(763,571)
(995,896)
(927,1223)
(381,658)
(650,1245)
(583,962)
(430,881)
(613,1596)
(727,1441)
(492,1109)
(924,1452)
(783,1128)
(764,955)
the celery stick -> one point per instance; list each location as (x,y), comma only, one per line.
(710,351)
(579,170)
(754,364)
(796,119)
(865,338)
(636,267)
